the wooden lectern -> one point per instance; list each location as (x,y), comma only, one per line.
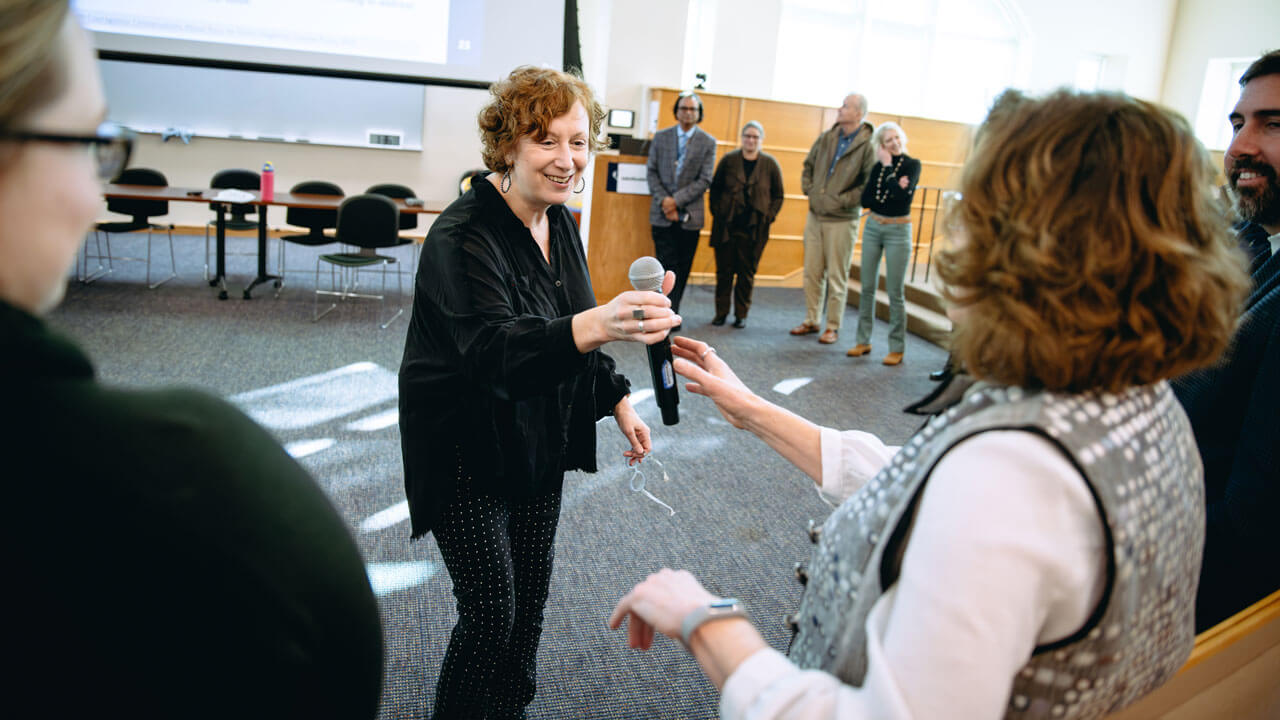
(619,230)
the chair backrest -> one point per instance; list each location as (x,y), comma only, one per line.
(468,177)
(140,209)
(314,219)
(368,221)
(236,180)
(408,221)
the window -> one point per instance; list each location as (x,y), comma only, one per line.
(945,59)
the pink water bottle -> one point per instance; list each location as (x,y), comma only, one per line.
(268,182)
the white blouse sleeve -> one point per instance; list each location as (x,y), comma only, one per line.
(1007,553)
(849,460)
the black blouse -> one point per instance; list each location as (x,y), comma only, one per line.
(492,383)
(883,195)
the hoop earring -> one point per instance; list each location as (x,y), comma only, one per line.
(505,185)
(582,184)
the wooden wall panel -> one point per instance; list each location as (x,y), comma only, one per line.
(720,113)
(938,175)
(782,258)
(786,125)
(790,220)
(937,140)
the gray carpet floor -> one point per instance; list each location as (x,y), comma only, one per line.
(327,390)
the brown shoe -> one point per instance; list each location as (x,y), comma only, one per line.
(828,336)
(804,328)
(859,350)
(893,358)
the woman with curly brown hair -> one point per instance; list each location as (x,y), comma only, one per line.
(1034,550)
(502,382)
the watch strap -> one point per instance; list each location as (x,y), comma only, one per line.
(715,610)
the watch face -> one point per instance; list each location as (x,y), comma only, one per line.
(724,603)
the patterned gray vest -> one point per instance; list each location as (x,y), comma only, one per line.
(1138,454)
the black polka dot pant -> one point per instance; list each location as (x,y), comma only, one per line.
(498,552)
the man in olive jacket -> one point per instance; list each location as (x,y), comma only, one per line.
(835,173)
(746,195)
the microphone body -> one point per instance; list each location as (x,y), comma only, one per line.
(646,273)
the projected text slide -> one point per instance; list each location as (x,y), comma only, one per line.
(404,30)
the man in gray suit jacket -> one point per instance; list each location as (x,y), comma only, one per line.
(681,161)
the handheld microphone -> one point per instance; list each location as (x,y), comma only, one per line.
(646,273)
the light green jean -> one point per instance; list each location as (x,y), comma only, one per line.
(895,242)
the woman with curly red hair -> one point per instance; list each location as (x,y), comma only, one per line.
(503,381)
(1034,550)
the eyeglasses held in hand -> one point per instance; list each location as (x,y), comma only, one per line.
(637,481)
(110,146)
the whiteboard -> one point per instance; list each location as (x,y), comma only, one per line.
(250,105)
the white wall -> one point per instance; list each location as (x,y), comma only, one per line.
(746,48)
(1134,32)
(1214,28)
(646,49)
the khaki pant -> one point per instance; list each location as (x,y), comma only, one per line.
(828,254)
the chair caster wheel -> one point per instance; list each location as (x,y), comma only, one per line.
(222,295)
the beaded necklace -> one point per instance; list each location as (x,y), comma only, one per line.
(893,172)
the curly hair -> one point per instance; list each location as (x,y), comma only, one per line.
(1090,254)
(31,69)
(525,103)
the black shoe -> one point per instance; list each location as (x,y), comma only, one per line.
(717,320)
(940,375)
(739,322)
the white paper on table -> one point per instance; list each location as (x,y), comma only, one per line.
(232,195)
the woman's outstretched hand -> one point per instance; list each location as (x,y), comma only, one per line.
(710,375)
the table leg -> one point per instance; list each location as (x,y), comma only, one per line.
(219,279)
(262,254)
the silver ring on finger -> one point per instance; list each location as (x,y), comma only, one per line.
(640,325)
(705,353)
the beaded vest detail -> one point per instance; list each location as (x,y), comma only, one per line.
(1138,454)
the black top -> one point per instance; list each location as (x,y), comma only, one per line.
(166,558)
(491,378)
(1232,407)
(883,195)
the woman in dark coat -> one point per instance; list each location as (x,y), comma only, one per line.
(746,194)
(502,382)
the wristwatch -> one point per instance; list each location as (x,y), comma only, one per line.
(715,610)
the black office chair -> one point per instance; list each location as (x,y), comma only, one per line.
(316,221)
(468,177)
(369,222)
(238,221)
(141,211)
(408,221)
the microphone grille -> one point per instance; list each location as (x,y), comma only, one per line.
(646,273)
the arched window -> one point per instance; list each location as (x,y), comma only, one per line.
(945,59)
